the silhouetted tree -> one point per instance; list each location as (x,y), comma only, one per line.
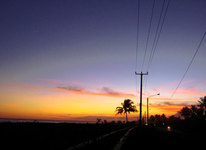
(202,102)
(186,112)
(98,121)
(163,119)
(152,119)
(173,119)
(158,120)
(195,111)
(105,121)
(127,107)
(119,122)
(202,105)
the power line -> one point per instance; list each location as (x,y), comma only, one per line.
(148,35)
(137,40)
(188,66)
(155,37)
(158,32)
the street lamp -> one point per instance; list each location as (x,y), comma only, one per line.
(148,106)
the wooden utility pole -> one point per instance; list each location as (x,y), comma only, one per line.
(140,104)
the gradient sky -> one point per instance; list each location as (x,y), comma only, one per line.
(70,59)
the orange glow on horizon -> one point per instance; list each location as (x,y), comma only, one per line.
(40,102)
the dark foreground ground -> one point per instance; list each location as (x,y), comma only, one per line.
(63,136)
(162,138)
(50,136)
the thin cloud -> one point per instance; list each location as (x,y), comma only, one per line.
(105,91)
(110,91)
(173,99)
(167,103)
(72,89)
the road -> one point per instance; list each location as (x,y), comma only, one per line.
(110,141)
(138,138)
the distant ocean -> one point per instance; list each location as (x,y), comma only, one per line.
(14,120)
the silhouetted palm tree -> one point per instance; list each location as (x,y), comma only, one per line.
(127,107)
(202,102)
(195,111)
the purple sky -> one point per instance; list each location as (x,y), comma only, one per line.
(93,42)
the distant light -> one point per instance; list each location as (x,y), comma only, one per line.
(168,128)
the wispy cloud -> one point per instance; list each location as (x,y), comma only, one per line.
(174,99)
(105,91)
(77,89)
(167,103)
(70,88)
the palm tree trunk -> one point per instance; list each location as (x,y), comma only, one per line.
(126,117)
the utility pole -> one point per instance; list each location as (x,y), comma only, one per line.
(140,104)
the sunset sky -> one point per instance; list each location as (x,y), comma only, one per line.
(75,59)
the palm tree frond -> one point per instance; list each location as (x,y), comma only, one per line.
(127,107)
(119,110)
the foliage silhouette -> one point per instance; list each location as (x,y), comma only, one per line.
(98,121)
(202,105)
(196,112)
(127,107)
(159,120)
(191,115)
(185,112)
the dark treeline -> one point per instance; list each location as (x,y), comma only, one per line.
(190,118)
